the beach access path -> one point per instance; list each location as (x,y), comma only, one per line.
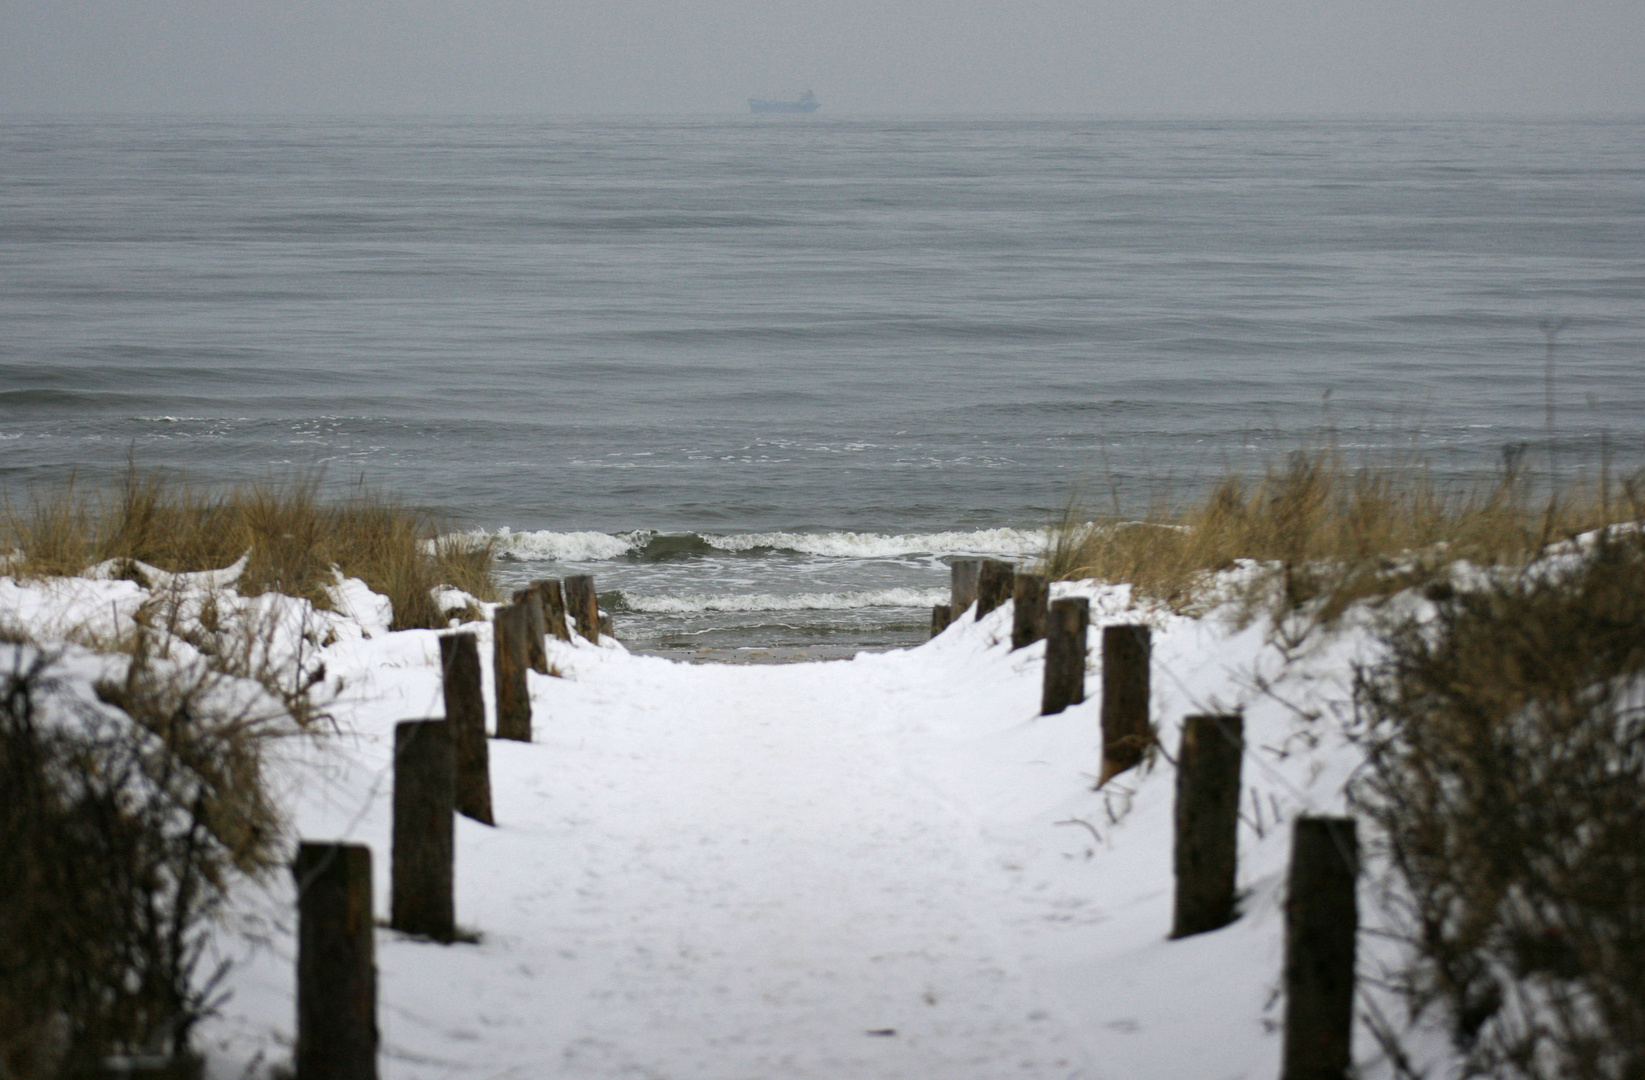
(885,867)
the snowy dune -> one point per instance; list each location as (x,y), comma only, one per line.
(883,867)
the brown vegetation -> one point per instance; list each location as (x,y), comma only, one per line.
(293,537)
(1506,756)
(1327,531)
(127,817)
(119,836)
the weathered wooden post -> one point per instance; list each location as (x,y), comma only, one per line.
(962,584)
(941,616)
(1206,858)
(553,607)
(583,605)
(1321,923)
(423,849)
(508,662)
(336,964)
(1126,731)
(536,628)
(993,585)
(1031,594)
(466,711)
(1065,627)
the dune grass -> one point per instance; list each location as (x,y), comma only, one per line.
(294,538)
(1325,530)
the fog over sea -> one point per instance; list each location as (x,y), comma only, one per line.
(761,375)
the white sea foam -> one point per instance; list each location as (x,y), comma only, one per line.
(559,546)
(855,545)
(553,546)
(831,601)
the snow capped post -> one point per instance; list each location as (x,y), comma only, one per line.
(1321,921)
(553,606)
(536,628)
(962,585)
(993,585)
(1065,655)
(508,660)
(466,711)
(423,845)
(1126,732)
(336,964)
(583,606)
(1206,857)
(1032,595)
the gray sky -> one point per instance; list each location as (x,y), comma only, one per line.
(964,56)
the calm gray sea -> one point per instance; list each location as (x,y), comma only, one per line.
(761,374)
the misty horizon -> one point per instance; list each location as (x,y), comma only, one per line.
(1190,58)
(826,114)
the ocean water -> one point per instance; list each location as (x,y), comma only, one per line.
(763,375)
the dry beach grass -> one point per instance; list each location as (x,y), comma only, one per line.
(293,536)
(1335,532)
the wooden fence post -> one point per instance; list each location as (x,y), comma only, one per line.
(508,661)
(993,585)
(962,585)
(553,607)
(1321,922)
(423,851)
(1065,627)
(466,711)
(336,964)
(1206,857)
(941,616)
(1126,731)
(583,605)
(1031,594)
(536,628)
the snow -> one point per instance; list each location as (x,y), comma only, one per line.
(110,569)
(355,602)
(885,867)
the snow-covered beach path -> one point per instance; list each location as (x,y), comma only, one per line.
(757,884)
(883,867)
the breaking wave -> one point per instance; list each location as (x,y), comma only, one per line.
(855,545)
(556,546)
(646,545)
(829,601)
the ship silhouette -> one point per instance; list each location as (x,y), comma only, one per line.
(807,103)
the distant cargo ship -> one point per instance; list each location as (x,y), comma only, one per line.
(807,104)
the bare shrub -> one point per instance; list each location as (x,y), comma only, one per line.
(1506,765)
(120,831)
